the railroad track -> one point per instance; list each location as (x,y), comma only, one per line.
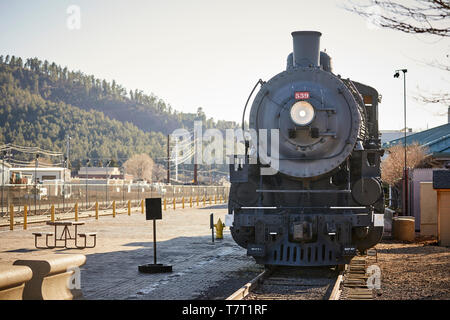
(315,283)
(289,283)
(354,282)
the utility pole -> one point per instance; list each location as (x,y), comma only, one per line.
(64,183)
(123,184)
(195,174)
(176,160)
(106,182)
(3,175)
(87,163)
(68,150)
(168,159)
(35,181)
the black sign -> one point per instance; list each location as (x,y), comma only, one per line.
(153,209)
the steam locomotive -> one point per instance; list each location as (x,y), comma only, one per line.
(324,201)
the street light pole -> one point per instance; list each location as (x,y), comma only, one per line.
(405,169)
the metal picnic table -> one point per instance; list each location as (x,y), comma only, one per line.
(65,235)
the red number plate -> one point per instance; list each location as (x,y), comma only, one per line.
(301,95)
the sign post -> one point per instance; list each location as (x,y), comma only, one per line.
(211,225)
(154,212)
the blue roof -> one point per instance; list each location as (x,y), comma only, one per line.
(436,139)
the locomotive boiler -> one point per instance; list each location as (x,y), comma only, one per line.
(324,201)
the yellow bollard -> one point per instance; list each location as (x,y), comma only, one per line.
(165,204)
(197,201)
(210,200)
(142,206)
(190,202)
(221,199)
(182,203)
(174,203)
(96,210)
(204,200)
(52,213)
(219,229)
(215,199)
(114,208)
(76,211)
(11,217)
(129,207)
(25,213)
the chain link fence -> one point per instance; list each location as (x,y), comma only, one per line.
(63,196)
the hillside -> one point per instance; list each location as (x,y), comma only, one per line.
(57,84)
(41,103)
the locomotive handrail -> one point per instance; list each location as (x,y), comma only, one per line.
(248,99)
(305,191)
(282,207)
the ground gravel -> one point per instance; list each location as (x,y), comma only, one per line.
(413,271)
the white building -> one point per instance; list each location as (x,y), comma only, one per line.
(43,175)
(110,175)
(4,172)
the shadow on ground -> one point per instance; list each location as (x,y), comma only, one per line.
(198,265)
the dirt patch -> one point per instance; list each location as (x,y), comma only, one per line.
(413,271)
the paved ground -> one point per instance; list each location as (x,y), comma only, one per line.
(125,242)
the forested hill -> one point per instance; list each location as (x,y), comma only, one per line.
(58,84)
(27,119)
(41,102)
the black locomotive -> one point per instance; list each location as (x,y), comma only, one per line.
(323,201)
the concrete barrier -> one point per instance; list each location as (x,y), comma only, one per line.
(53,277)
(12,281)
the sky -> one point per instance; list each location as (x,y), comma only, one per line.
(210,53)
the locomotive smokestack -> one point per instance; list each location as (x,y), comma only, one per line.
(306,48)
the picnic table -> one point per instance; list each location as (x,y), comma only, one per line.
(64,236)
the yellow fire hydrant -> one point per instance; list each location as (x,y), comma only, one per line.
(219,229)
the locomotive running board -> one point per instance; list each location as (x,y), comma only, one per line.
(304,191)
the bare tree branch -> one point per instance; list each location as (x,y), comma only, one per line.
(140,166)
(422,17)
(418,17)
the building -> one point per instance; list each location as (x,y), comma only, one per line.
(437,146)
(436,140)
(27,175)
(4,172)
(106,174)
(390,135)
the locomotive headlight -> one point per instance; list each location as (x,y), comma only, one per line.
(302,113)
